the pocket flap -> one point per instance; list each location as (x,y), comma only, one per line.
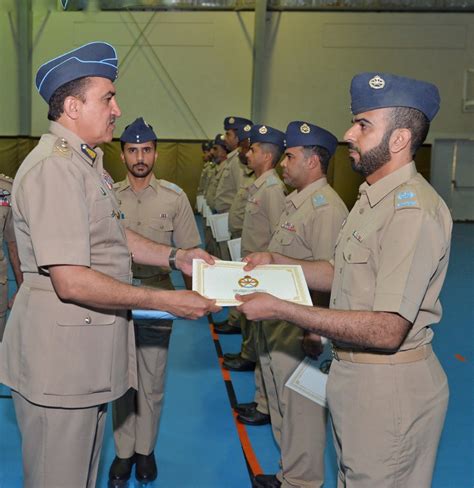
(356,254)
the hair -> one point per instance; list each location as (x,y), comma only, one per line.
(122,144)
(321,152)
(413,120)
(275,151)
(75,88)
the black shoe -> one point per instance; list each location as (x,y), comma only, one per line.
(254,417)
(226,328)
(231,355)
(267,481)
(145,470)
(244,408)
(239,364)
(120,471)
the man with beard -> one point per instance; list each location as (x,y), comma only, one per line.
(387,393)
(160,211)
(69,347)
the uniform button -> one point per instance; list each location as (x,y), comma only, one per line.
(348,239)
(340,270)
(161,227)
(349,257)
(139,201)
(361,210)
(88,320)
(334,301)
(139,223)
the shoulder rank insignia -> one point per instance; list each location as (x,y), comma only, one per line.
(89,152)
(406,199)
(272,180)
(171,186)
(62,146)
(319,200)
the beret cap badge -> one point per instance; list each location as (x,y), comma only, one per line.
(305,129)
(263,130)
(232,120)
(377,82)
(247,128)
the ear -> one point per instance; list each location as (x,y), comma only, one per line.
(313,161)
(72,107)
(122,156)
(400,140)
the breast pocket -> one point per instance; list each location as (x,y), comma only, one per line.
(358,275)
(161,230)
(102,217)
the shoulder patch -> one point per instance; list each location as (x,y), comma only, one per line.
(319,200)
(406,198)
(171,186)
(272,180)
(61,147)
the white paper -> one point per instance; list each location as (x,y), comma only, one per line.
(308,380)
(200,200)
(223,280)
(220,226)
(234,246)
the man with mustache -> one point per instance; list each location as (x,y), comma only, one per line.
(387,393)
(69,345)
(160,211)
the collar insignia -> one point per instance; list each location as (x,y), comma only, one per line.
(89,152)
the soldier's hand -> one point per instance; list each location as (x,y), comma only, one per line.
(256,259)
(190,304)
(312,345)
(184,259)
(259,306)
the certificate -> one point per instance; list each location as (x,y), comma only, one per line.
(308,380)
(220,226)
(235,246)
(223,280)
(200,201)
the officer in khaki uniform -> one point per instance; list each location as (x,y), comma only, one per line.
(232,171)
(307,230)
(387,393)
(232,325)
(265,204)
(207,158)
(160,211)
(219,155)
(7,234)
(69,346)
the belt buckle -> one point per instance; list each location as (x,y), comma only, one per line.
(334,353)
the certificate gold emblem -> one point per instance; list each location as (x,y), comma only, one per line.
(248,282)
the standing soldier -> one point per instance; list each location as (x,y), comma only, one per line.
(160,211)
(307,230)
(8,235)
(265,204)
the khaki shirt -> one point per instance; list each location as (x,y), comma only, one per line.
(392,253)
(310,224)
(207,170)
(237,209)
(6,223)
(58,353)
(265,204)
(213,184)
(229,183)
(162,213)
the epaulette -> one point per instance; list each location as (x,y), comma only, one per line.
(406,197)
(319,200)
(6,179)
(171,186)
(272,180)
(62,148)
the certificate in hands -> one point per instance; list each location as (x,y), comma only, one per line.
(223,280)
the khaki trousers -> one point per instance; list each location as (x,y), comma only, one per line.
(136,416)
(60,446)
(387,421)
(299,425)
(3,306)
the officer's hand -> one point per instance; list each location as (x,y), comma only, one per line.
(184,259)
(190,304)
(259,306)
(257,259)
(312,345)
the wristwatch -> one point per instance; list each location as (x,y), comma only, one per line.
(172,257)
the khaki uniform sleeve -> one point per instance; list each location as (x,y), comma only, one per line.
(9,233)
(225,191)
(53,202)
(411,250)
(274,204)
(185,231)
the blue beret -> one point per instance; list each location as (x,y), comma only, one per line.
(243,132)
(267,134)
(299,133)
(235,122)
(370,91)
(93,59)
(138,132)
(219,141)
